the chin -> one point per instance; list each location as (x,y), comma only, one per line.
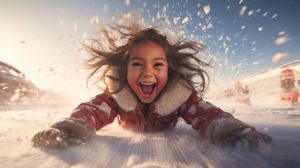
(147,101)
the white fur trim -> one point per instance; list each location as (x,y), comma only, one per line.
(125,99)
(173,97)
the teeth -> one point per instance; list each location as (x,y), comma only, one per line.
(144,83)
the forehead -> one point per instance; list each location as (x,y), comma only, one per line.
(147,50)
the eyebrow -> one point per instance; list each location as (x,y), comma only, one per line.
(135,58)
(138,58)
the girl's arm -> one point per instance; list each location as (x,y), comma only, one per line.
(98,112)
(214,124)
(81,125)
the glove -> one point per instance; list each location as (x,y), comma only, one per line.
(247,138)
(63,133)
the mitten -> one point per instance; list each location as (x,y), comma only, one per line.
(247,137)
(228,131)
(63,133)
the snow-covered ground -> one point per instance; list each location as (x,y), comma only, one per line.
(114,147)
(182,147)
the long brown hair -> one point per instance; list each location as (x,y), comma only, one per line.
(111,51)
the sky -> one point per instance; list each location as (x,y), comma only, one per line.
(42,38)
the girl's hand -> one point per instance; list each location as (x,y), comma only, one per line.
(247,138)
(66,132)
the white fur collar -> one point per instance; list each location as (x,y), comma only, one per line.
(174,95)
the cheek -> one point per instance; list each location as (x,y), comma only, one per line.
(132,76)
(163,77)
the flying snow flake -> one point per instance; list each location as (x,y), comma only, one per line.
(241,1)
(281,33)
(181,33)
(250,13)
(281,40)
(165,9)
(185,20)
(226,50)
(206,9)
(152,19)
(60,23)
(105,8)
(243,10)
(243,27)
(204,28)
(258,10)
(279,56)
(198,5)
(221,38)
(228,7)
(265,14)
(198,13)
(253,49)
(127,2)
(260,29)
(157,15)
(175,20)
(228,38)
(166,20)
(94,20)
(209,26)
(255,62)
(274,16)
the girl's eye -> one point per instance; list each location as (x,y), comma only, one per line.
(136,64)
(158,64)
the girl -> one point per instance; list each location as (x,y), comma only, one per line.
(150,83)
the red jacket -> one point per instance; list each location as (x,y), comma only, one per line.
(175,101)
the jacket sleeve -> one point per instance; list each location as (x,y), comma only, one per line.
(208,120)
(98,112)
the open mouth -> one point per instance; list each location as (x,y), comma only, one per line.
(147,88)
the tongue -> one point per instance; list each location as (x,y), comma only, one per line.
(147,89)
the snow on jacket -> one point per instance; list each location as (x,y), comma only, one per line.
(175,101)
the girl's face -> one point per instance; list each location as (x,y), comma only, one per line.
(147,71)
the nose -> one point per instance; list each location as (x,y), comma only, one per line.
(147,73)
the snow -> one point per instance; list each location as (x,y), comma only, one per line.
(181,147)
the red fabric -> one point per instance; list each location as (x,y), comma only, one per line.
(139,120)
(200,114)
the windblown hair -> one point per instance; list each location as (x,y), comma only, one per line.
(110,51)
